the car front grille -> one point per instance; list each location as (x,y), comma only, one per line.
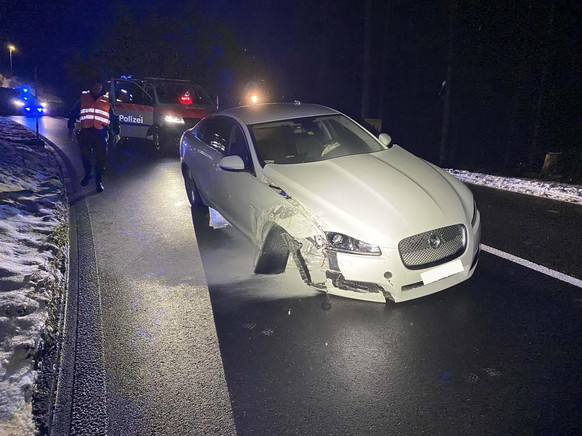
(433,247)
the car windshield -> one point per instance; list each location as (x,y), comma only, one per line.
(311,139)
(171,92)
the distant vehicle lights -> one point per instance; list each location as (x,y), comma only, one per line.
(23,101)
(30,106)
(31,110)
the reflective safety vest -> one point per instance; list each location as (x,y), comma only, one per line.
(94,113)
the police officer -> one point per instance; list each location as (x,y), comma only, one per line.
(97,119)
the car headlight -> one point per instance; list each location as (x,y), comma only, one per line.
(18,103)
(341,242)
(174,119)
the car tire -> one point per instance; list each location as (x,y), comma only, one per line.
(272,259)
(192,190)
(158,140)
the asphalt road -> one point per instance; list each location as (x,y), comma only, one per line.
(194,343)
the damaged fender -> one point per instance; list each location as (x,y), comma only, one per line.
(298,233)
(288,228)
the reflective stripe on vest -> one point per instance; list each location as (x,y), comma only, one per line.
(94,113)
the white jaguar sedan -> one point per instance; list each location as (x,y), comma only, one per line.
(361,217)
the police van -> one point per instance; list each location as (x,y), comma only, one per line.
(157,109)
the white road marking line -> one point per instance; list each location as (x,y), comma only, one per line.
(542,269)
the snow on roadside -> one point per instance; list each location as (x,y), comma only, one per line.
(539,188)
(33,238)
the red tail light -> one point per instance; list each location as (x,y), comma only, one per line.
(186,98)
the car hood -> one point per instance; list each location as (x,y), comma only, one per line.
(379,198)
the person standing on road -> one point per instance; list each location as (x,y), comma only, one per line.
(98,124)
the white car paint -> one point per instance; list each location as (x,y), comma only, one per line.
(380,198)
(374,197)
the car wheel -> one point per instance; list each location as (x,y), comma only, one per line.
(157,139)
(192,190)
(272,259)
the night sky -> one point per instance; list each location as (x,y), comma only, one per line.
(515,65)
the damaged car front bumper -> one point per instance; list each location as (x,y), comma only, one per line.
(384,277)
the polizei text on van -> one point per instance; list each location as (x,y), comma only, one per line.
(130,119)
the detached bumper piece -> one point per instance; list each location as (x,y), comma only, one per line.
(339,281)
(338,285)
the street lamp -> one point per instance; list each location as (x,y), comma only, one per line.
(11,48)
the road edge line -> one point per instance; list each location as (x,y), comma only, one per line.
(531,265)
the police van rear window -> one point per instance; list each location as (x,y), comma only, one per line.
(172,93)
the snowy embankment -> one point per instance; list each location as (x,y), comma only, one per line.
(538,188)
(33,254)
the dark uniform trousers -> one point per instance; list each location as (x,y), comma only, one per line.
(92,139)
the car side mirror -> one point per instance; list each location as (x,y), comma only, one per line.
(385,139)
(232,163)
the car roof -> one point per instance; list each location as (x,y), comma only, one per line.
(268,112)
